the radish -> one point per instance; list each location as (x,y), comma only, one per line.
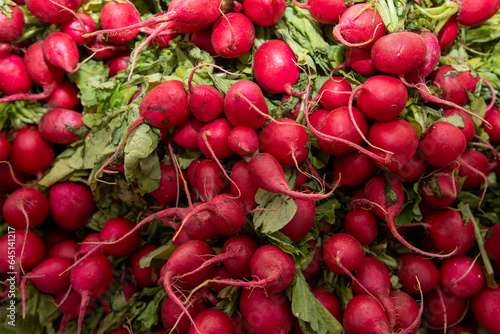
(55,125)
(5,148)
(412,171)
(29,249)
(91,278)
(275,67)
(454,84)
(244,104)
(170,185)
(64,97)
(359,26)
(448,33)
(48,276)
(324,11)
(439,189)
(493,117)
(90,242)
(232,35)
(399,52)
(71,204)
(175,319)
(118,63)
(267,174)
(353,169)
(381,97)
(441,144)
(205,102)
(474,166)
(330,301)
(264,13)
(361,224)
(442,309)
(103,50)
(147,276)
(243,141)
(185,135)
(484,306)
(14,77)
(364,314)
(461,276)
(60,50)
(396,136)
(469,128)
(31,154)
(69,305)
(26,208)
(303,220)
(56,235)
(67,249)
(474,12)
(286,140)
(492,243)
(242,184)
(448,232)
(407,312)
(413,267)
(209,179)
(265,313)
(73,28)
(12,27)
(431,59)
(213,139)
(52,11)
(113,230)
(212,321)
(115,15)
(203,40)
(342,253)
(333,93)
(359,59)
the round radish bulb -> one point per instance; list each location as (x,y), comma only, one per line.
(492,243)
(116,15)
(54,126)
(64,97)
(469,128)
(361,224)
(439,189)
(342,249)
(434,313)
(31,154)
(413,267)
(302,221)
(484,306)
(461,276)
(74,29)
(212,321)
(33,252)
(60,50)
(441,144)
(455,84)
(115,229)
(332,93)
(26,208)
(71,205)
(448,33)
(493,117)
(143,277)
(232,35)
(478,161)
(118,63)
(243,141)
(359,27)
(50,11)
(170,185)
(265,13)
(12,27)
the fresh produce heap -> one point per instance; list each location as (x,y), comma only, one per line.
(206,166)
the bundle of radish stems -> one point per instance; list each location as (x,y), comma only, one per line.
(256,166)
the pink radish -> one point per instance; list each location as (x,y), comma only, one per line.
(342,253)
(359,59)
(492,243)
(29,249)
(213,139)
(232,35)
(66,249)
(243,141)
(73,28)
(212,321)
(361,224)
(443,311)
(12,27)
(407,312)
(461,276)
(275,67)
(484,306)
(455,84)
(353,169)
(115,229)
(364,314)
(244,104)
(143,277)
(302,221)
(118,63)
(439,189)
(64,97)
(474,166)
(60,50)
(469,128)
(14,77)
(54,126)
(264,12)
(493,117)
(441,144)
(31,154)
(103,50)
(333,93)
(242,184)
(52,11)
(206,102)
(431,59)
(116,15)
(448,33)
(26,208)
(324,11)
(175,319)
(209,179)
(185,135)
(71,204)
(473,12)
(412,267)
(203,40)
(170,185)
(412,171)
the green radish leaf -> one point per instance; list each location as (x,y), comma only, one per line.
(159,256)
(278,211)
(391,197)
(326,211)
(411,206)
(455,119)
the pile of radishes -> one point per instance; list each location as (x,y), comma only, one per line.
(255,166)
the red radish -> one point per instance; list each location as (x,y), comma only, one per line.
(244,104)
(330,301)
(332,93)
(436,315)
(65,249)
(318,117)
(439,189)
(206,102)
(90,242)
(232,35)
(29,248)
(492,243)
(396,136)
(413,267)
(469,128)
(242,184)
(461,276)
(118,63)
(104,50)
(359,59)
(185,135)
(493,117)
(448,232)
(275,67)
(52,11)
(267,174)
(115,229)
(359,26)
(431,59)
(117,15)
(71,204)
(48,276)
(471,12)
(264,12)
(60,50)
(91,278)
(14,78)
(265,313)
(411,171)
(448,33)
(215,135)
(373,278)
(484,306)
(243,141)
(6,148)
(170,185)
(399,52)
(54,126)
(454,84)
(361,224)
(339,124)
(353,169)
(209,179)
(31,154)
(286,140)
(381,97)
(143,277)
(65,96)
(56,235)
(26,208)
(441,144)
(364,314)
(212,321)
(407,311)
(314,267)
(476,175)
(69,305)
(203,40)
(342,252)
(12,27)
(73,28)
(175,319)
(302,221)
(324,11)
